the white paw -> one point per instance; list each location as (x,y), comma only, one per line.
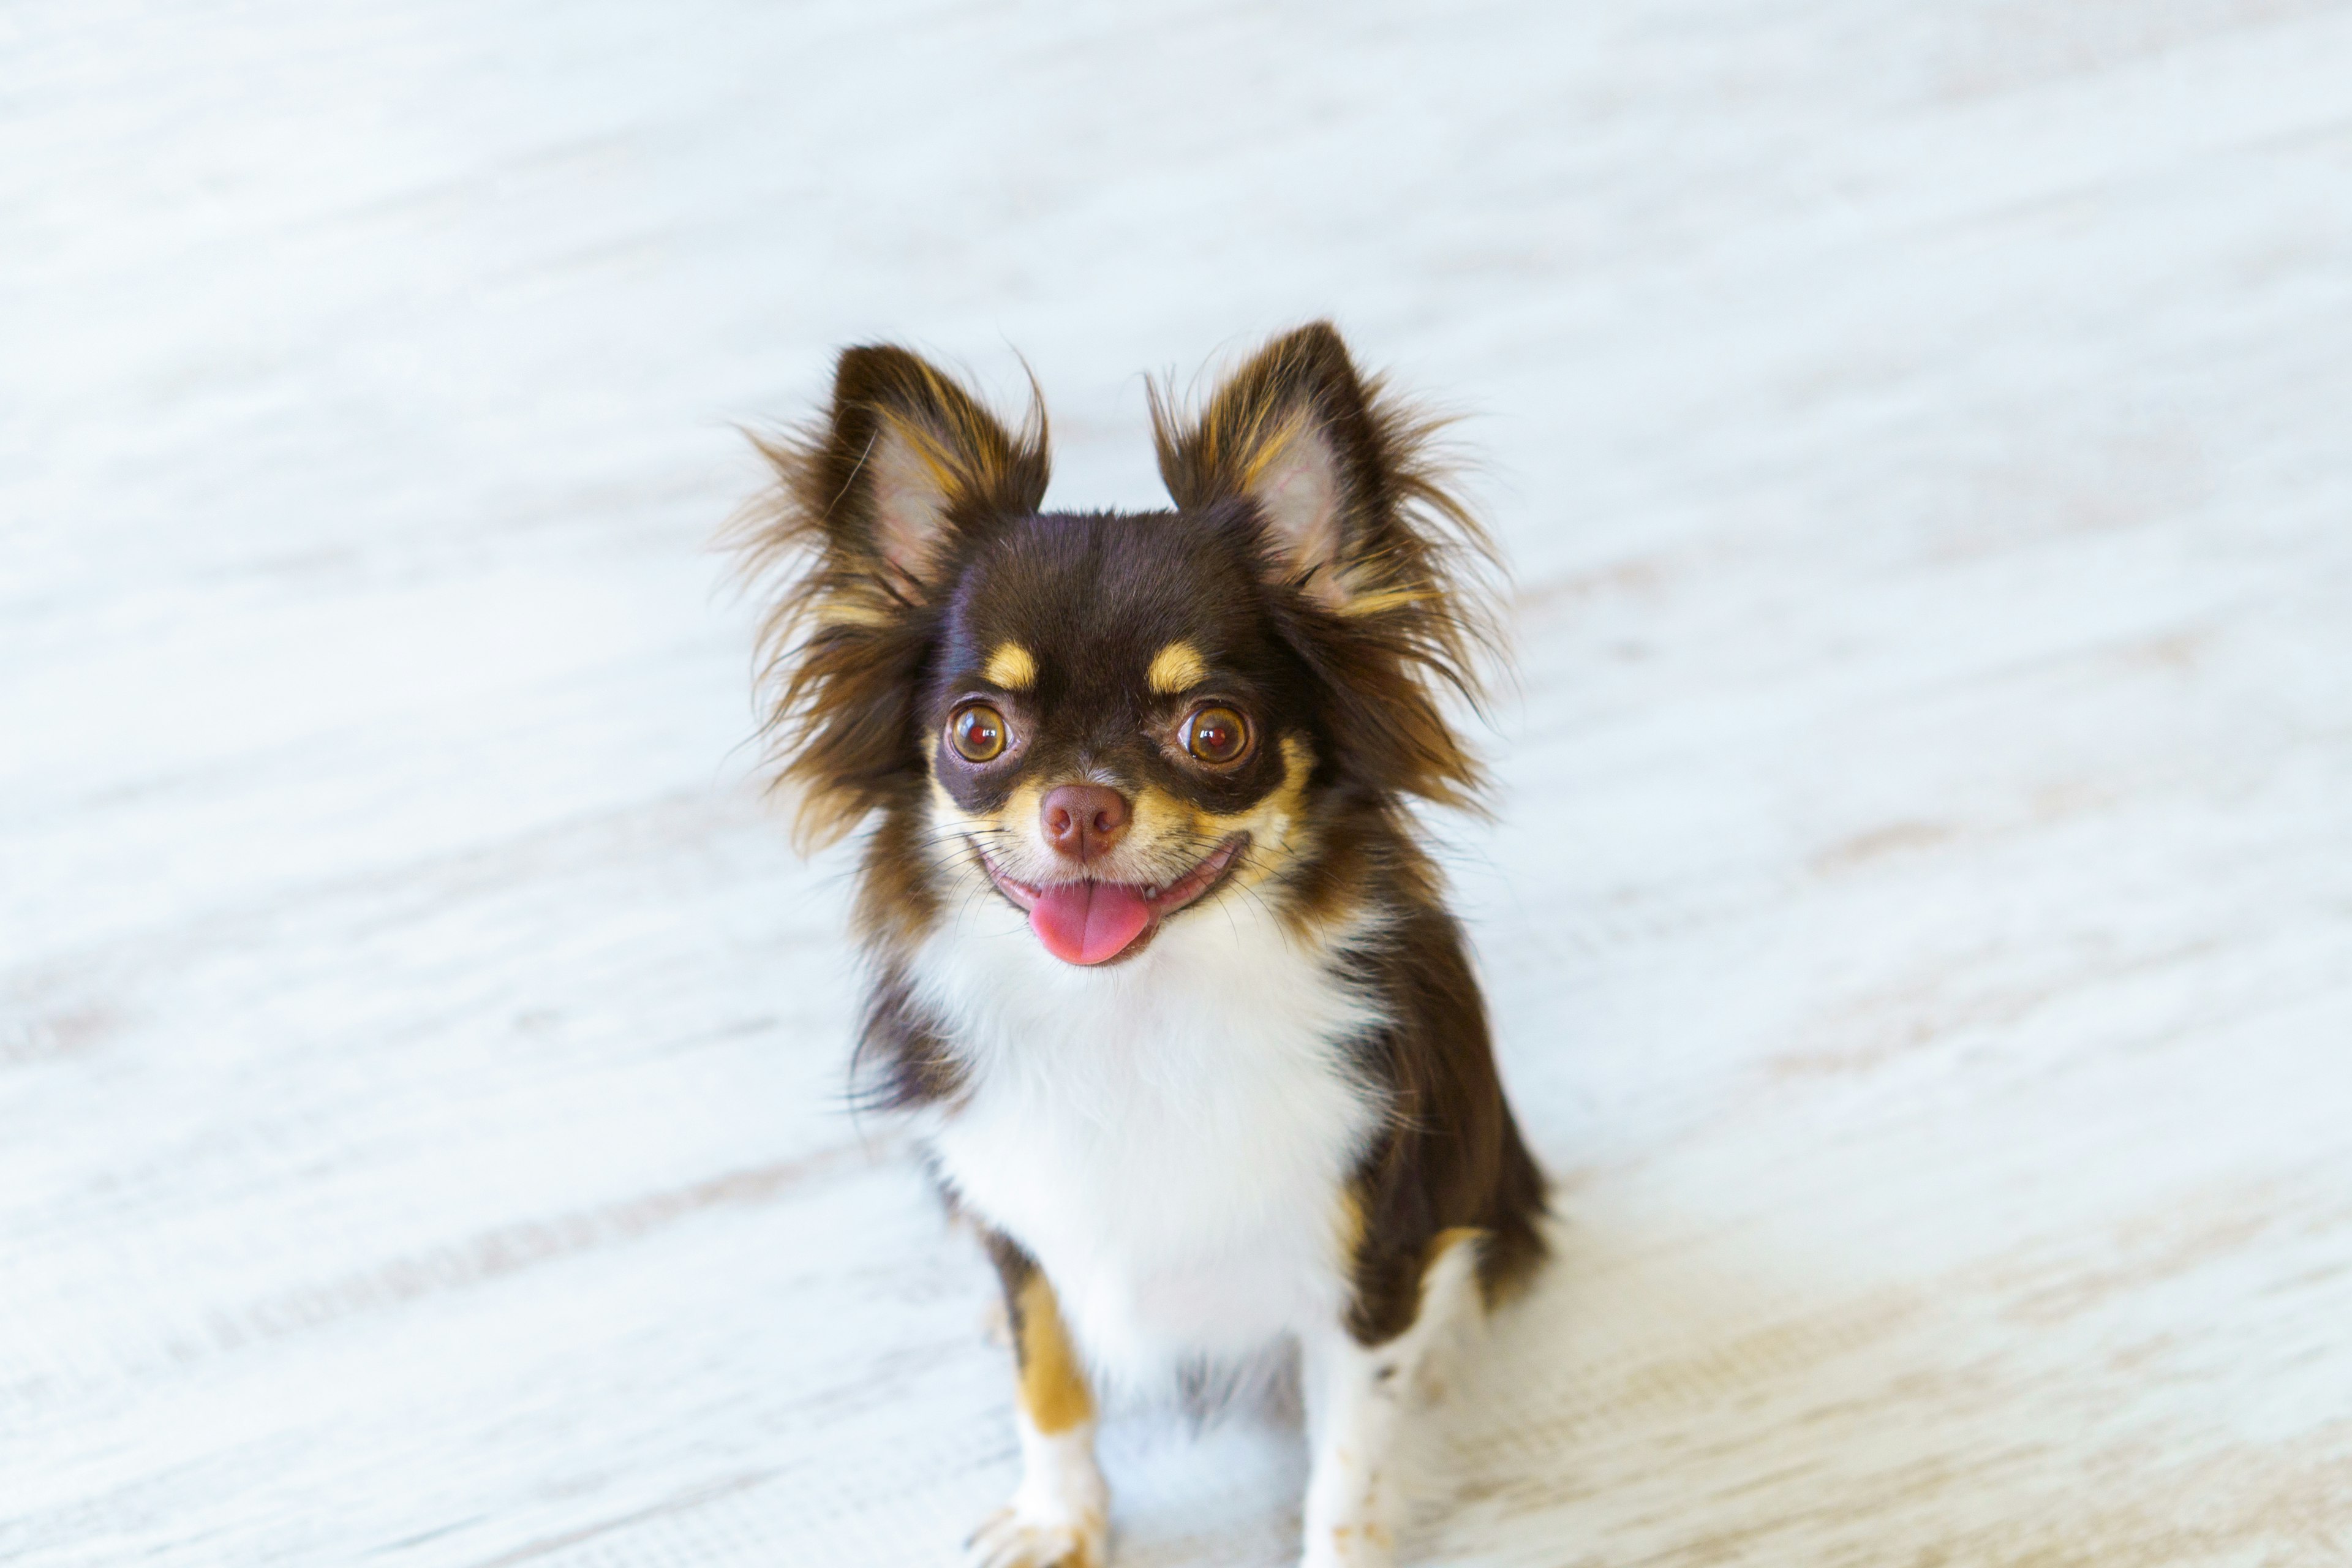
(1022,1537)
(1362,1545)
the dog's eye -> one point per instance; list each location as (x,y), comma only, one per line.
(1217,735)
(977,731)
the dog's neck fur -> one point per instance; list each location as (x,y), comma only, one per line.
(1170,1138)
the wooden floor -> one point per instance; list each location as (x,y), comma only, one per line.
(1919,918)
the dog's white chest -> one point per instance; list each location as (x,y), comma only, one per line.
(1168,1137)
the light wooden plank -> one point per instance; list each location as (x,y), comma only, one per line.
(1918,922)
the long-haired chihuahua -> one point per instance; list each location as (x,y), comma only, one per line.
(1160,966)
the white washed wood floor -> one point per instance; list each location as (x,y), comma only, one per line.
(1919,920)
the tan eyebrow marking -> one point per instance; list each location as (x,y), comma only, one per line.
(1176,667)
(1012,667)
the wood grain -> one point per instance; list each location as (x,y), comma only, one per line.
(1920,914)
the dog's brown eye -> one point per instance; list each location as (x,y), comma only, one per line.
(977,732)
(1216,735)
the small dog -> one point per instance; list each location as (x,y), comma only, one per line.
(1160,965)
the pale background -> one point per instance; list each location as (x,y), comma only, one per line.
(1919,923)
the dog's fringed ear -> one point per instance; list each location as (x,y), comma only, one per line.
(1290,431)
(904,459)
(1328,465)
(1357,520)
(871,503)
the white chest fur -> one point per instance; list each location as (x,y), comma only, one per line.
(1168,1136)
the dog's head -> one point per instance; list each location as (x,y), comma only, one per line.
(1108,719)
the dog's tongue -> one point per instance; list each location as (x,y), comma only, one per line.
(1088,923)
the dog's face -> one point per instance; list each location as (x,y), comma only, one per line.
(1115,727)
(1113,720)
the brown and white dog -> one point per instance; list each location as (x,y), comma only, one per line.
(1160,966)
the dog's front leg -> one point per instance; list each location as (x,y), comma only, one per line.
(1060,1515)
(1358,1398)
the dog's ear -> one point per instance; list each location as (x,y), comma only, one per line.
(870,504)
(1382,565)
(907,459)
(1294,431)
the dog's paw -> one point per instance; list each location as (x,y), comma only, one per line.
(1362,1545)
(996,1323)
(1019,1537)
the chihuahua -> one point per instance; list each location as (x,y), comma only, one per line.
(1160,966)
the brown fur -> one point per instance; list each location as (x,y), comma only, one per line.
(1452,1159)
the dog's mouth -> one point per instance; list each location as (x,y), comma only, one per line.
(1094,922)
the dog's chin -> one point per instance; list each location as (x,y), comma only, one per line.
(1081,921)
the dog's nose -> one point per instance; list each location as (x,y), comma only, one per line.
(1083,821)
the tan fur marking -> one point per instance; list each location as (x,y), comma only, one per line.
(1446,1241)
(1052,1385)
(1011,667)
(1362,605)
(841,610)
(1273,824)
(1349,1225)
(1176,667)
(954,822)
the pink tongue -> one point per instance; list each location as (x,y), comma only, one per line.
(1087,922)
